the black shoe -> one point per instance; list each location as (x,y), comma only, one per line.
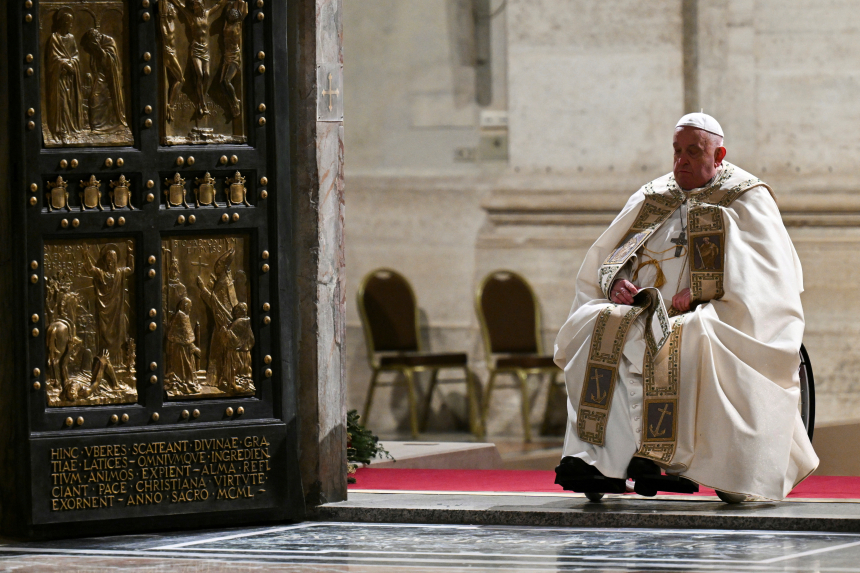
(573,474)
(650,479)
(641,467)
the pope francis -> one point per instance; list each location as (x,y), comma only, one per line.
(680,353)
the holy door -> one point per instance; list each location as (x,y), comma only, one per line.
(148,201)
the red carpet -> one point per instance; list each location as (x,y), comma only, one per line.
(835,487)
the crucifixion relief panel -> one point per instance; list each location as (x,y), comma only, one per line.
(202,72)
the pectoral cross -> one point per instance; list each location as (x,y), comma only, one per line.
(680,242)
(654,432)
(600,397)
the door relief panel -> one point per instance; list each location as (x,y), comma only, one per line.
(202,84)
(85,76)
(207,332)
(89,313)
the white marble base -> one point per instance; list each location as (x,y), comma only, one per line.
(441,456)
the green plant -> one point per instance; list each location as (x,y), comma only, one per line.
(361,445)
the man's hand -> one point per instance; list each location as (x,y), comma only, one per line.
(623,291)
(681,301)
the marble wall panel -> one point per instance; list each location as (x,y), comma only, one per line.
(830,258)
(781,78)
(426,231)
(591,82)
(411,86)
(317,203)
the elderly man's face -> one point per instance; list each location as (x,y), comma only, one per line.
(697,156)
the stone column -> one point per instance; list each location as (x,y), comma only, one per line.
(318,209)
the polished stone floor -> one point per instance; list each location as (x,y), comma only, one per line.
(382,548)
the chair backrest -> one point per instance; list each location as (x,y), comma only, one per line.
(389,312)
(509,313)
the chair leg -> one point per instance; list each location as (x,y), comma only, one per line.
(486,406)
(413,403)
(369,400)
(428,399)
(474,408)
(550,394)
(526,406)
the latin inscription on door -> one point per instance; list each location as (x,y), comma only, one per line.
(158,473)
(151,473)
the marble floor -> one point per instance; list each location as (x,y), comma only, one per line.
(382,548)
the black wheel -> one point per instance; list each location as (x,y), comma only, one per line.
(592,496)
(807,392)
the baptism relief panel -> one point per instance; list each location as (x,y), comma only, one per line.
(202,83)
(89,313)
(207,329)
(85,78)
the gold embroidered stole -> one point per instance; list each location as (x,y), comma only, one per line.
(655,211)
(607,342)
(662,380)
(707,237)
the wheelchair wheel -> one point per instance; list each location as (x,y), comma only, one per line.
(807,392)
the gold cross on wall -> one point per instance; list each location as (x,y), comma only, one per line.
(330,92)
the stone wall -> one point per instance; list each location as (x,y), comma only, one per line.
(592,92)
(316,39)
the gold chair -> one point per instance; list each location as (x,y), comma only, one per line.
(509,313)
(389,315)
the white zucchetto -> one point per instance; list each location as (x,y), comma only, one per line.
(701,121)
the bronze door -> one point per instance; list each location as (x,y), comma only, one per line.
(153,201)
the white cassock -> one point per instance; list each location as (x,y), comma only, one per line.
(728,394)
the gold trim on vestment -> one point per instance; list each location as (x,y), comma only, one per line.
(706,250)
(662,384)
(655,211)
(607,342)
(707,236)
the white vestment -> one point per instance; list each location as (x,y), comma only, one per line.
(738,425)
